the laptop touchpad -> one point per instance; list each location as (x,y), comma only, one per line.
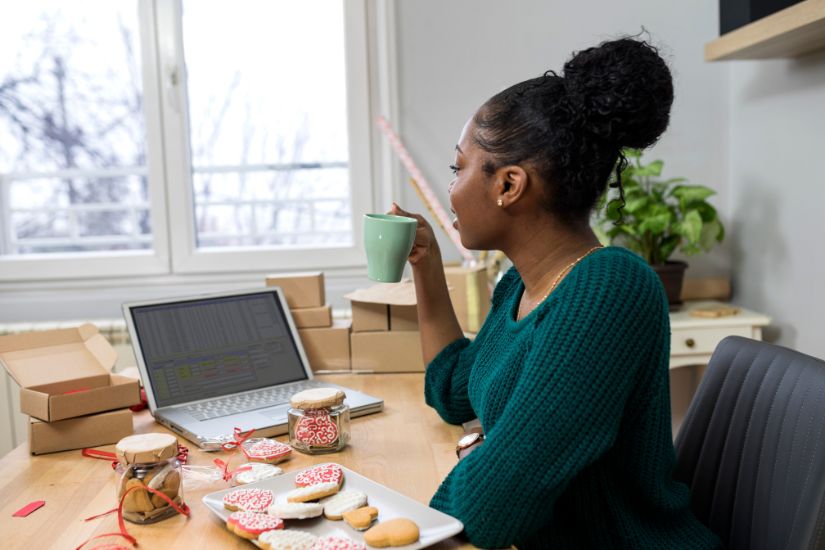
(278,412)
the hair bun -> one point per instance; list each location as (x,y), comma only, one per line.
(623,90)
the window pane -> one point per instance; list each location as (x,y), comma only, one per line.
(268,125)
(72,130)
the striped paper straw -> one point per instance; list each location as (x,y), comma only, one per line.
(424,190)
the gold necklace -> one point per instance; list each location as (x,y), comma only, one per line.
(561,274)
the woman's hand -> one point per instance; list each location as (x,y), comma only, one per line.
(425,245)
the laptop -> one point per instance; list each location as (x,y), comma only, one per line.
(214,362)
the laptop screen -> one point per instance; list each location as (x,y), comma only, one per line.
(197,349)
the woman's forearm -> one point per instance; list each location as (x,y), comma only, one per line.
(436,318)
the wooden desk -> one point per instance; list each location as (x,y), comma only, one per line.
(407,447)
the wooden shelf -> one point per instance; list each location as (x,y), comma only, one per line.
(794,31)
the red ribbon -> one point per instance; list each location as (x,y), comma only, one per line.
(240,437)
(227,475)
(183,509)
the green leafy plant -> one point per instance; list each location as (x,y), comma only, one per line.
(660,216)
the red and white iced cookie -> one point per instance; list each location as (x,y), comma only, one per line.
(313,492)
(248,500)
(333,542)
(287,540)
(316,430)
(322,473)
(251,524)
(265,450)
(255,471)
(296,510)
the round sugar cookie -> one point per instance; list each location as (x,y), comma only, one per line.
(251,524)
(257,472)
(287,540)
(336,505)
(248,500)
(296,510)
(333,542)
(312,492)
(321,473)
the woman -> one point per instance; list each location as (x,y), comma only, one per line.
(569,373)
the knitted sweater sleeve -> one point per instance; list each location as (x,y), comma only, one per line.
(566,407)
(448,373)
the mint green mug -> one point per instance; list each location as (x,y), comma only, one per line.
(388,241)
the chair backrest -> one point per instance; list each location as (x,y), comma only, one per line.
(752,447)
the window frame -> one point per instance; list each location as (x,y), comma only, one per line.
(174,250)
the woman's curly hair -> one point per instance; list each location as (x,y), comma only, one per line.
(572,128)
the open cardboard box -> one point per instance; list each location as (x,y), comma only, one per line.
(66,373)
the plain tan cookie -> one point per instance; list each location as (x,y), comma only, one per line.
(361,518)
(317,398)
(137,500)
(394,532)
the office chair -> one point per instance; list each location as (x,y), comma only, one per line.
(752,447)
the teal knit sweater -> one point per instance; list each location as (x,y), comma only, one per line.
(575,403)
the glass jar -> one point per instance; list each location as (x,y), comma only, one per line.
(148,460)
(319,421)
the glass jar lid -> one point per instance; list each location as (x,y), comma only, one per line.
(146,448)
(317,398)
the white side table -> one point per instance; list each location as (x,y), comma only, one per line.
(693,339)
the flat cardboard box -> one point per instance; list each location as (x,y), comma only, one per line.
(327,348)
(470,295)
(66,373)
(368,316)
(312,317)
(403,317)
(387,351)
(300,289)
(78,433)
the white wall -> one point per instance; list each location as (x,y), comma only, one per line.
(777,195)
(454,55)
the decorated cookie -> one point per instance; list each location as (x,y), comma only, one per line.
(313,492)
(316,429)
(256,472)
(333,542)
(336,505)
(361,518)
(394,532)
(321,473)
(265,450)
(248,500)
(287,540)
(296,510)
(251,524)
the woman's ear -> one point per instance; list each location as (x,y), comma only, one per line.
(510,185)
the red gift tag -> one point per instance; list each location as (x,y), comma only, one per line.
(29,508)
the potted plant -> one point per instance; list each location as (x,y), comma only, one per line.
(658,218)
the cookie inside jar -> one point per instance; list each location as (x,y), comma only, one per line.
(319,421)
(149,477)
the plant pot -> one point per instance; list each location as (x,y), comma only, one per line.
(672,275)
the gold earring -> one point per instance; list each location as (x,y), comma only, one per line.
(500,202)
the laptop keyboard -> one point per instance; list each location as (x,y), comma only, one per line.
(234,404)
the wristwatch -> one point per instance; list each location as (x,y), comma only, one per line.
(467,441)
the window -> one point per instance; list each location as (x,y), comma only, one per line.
(178,136)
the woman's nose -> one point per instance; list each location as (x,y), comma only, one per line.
(450,187)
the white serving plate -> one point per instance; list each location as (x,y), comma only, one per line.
(435,526)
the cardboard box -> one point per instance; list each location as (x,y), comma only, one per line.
(470,295)
(66,373)
(387,351)
(327,348)
(368,316)
(312,317)
(403,317)
(78,433)
(300,289)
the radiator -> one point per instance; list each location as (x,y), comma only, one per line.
(13,424)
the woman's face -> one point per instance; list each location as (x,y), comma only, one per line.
(472,195)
